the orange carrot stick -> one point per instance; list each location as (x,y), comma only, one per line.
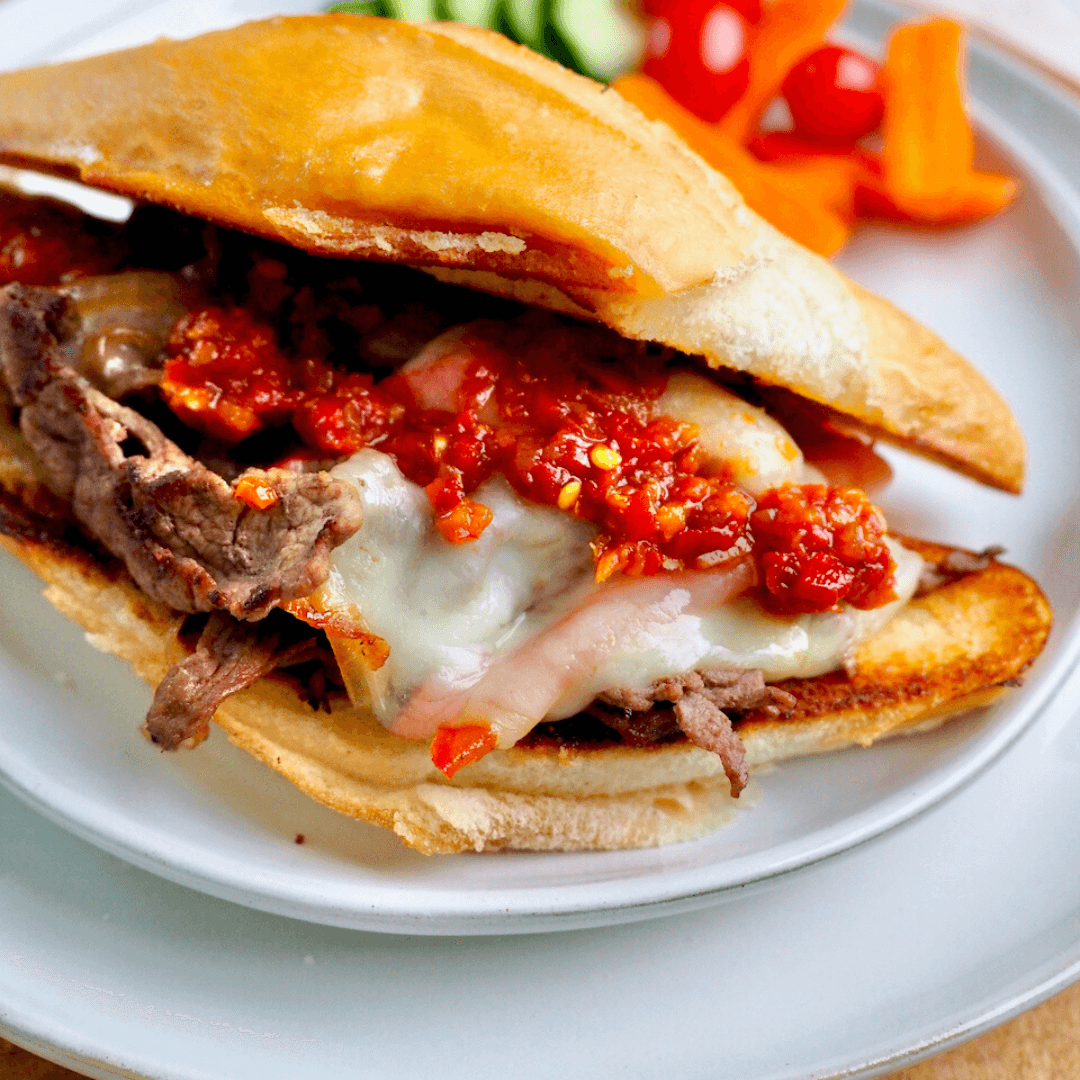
(927,171)
(789,30)
(828,179)
(792,200)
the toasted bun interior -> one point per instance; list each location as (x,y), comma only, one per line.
(450,148)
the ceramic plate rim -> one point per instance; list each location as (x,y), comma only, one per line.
(561,907)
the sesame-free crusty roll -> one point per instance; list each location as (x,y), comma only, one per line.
(450,148)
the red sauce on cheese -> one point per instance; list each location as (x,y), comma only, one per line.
(816,545)
(566,429)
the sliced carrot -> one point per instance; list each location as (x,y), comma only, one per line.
(832,175)
(829,179)
(792,199)
(789,30)
(927,172)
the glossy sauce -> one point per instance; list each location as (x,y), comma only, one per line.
(567,424)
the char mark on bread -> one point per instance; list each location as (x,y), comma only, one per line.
(184,535)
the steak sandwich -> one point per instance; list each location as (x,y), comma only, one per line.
(460,442)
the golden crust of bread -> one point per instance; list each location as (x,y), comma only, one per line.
(929,398)
(945,652)
(377,138)
(791,320)
(449,148)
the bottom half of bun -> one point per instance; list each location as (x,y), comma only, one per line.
(952,649)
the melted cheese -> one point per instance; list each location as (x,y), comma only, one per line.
(450,613)
(512,629)
(447,610)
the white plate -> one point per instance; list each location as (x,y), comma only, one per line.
(940,928)
(934,931)
(216,820)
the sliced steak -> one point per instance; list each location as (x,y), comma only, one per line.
(184,535)
(725,688)
(113,329)
(228,658)
(695,704)
(710,728)
(953,566)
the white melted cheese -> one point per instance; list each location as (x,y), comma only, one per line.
(754,449)
(450,611)
(512,629)
(446,610)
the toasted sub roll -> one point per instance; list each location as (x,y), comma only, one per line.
(449,149)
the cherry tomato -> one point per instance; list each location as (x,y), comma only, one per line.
(750,10)
(834,95)
(698,52)
(785,147)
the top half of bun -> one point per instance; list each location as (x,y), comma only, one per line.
(449,148)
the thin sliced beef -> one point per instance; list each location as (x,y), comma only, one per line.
(113,329)
(710,728)
(694,704)
(726,688)
(953,566)
(228,658)
(184,535)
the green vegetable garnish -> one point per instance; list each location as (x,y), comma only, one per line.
(384,8)
(549,39)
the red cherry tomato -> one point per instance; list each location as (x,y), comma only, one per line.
(834,95)
(784,147)
(698,53)
(750,10)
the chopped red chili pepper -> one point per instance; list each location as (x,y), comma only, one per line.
(455,747)
(818,546)
(227,376)
(258,494)
(565,428)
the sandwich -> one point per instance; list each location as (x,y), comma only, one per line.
(458,441)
